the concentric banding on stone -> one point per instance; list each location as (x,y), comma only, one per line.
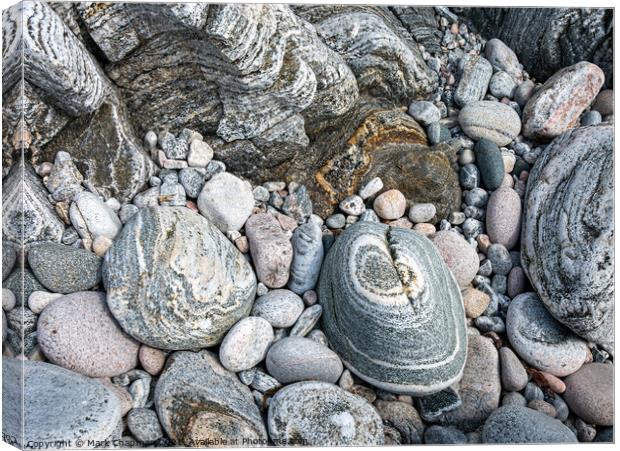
(568,231)
(198,400)
(392,310)
(174,281)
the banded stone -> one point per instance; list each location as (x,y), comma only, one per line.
(494,121)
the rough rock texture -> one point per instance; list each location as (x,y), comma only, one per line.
(59,404)
(168,253)
(558,104)
(388,288)
(78,332)
(197,400)
(515,424)
(567,233)
(494,121)
(547,39)
(542,341)
(321,414)
(9,256)
(26,210)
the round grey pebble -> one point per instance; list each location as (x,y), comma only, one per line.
(591,118)
(502,85)
(514,376)
(281,307)
(533,392)
(437,133)
(476,197)
(500,259)
(193,180)
(144,425)
(514,398)
(490,324)
(424,112)
(307,320)
(335,221)
(246,344)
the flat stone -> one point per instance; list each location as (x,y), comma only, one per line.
(434,406)
(475,77)
(479,388)
(513,424)
(390,205)
(307,242)
(78,332)
(541,340)
(246,343)
(173,253)
(589,393)
(227,201)
(62,405)
(294,359)
(460,257)
(316,413)
(503,217)
(280,308)
(371,277)
(542,406)
(370,188)
(557,105)
(514,376)
(306,321)
(197,399)
(144,425)
(91,217)
(64,269)
(272,252)
(490,120)
(490,163)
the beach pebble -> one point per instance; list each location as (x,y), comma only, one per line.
(307,242)
(460,257)
(298,204)
(475,77)
(38,300)
(144,425)
(493,121)
(152,359)
(514,376)
(513,424)
(516,282)
(542,406)
(591,118)
(422,213)
(555,383)
(390,204)
(604,102)
(246,344)
(404,418)
(352,205)
(541,340)
(9,300)
(503,217)
(490,163)
(306,321)
(370,188)
(469,176)
(272,252)
(91,217)
(514,398)
(425,229)
(313,413)
(200,154)
(424,112)
(126,212)
(336,221)
(64,269)
(475,302)
(78,332)
(503,57)
(192,180)
(101,244)
(590,393)
(227,201)
(441,435)
(500,259)
(281,308)
(293,359)
(502,85)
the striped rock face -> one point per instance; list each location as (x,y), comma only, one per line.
(393,310)
(567,237)
(174,281)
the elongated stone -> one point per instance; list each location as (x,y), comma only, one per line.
(474,82)
(198,400)
(388,288)
(315,413)
(568,231)
(494,121)
(166,253)
(308,254)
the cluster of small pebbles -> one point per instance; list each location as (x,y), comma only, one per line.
(210,312)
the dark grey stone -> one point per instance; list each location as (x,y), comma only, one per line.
(490,163)
(500,259)
(469,176)
(9,256)
(192,179)
(441,435)
(22,292)
(433,406)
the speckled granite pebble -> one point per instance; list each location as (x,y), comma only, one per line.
(246,344)
(512,424)
(280,307)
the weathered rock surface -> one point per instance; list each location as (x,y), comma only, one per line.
(515,424)
(9,256)
(168,253)
(197,400)
(61,405)
(404,418)
(475,77)
(567,239)
(321,414)
(375,275)
(557,105)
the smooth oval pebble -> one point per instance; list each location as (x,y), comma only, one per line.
(515,424)
(514,376)
(321,414)
(490,164)
(9,300)
(280,307)
(198,400)
(227,201)
(91,217)
(78,332)
(151,359)
(38,300)
(504,217)
(388,288)
(494,121)
(144,425)
(166,253)
(460,257)
(590,393)
(60,405)
(390,204)
(246,343)
(307,242)
(294,359)
(541,340)
(64,269)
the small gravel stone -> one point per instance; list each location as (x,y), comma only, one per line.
(281,308)
(214,167)
(425,229)
(310,298)
(422,213)
(591,118)
(424,112)
(472,228)
(604,102)
(390,204)
(516,283)
(469,176)
(490,324)
(335,221)
(127,211)
(490,163)
(227,201)
(371,188)
(38,300)
(261,194)
(294,359)
(555,383)
(308,253)
(306,321)
(263,382)
(532,392)
(152,359)
(298,204)
(144,425)
(193,180)
(9,300)
(246,344)
(475,302)
(476,197)
(585,432)
(514,399)
(369,215)
(101,244)
(91,217)
(502,85)
(514,376)
(561,408)
(437,133)
(352,205)
(318,336)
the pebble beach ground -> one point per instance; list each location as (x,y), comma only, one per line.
(208,309)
